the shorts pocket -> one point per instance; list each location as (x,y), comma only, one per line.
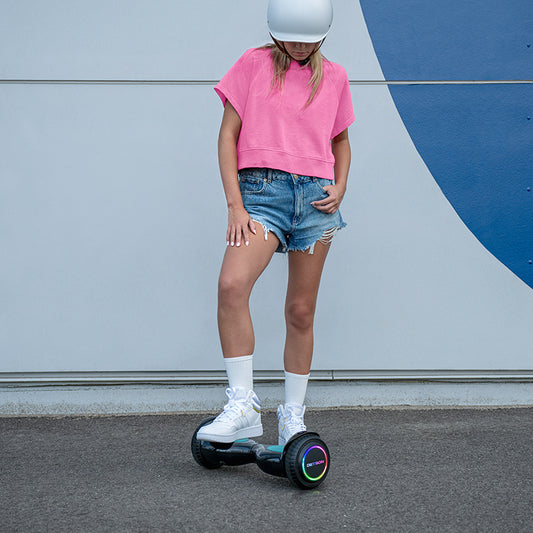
(251,185)
(320,183)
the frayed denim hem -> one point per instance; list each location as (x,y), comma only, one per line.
(325,239)
(282,248)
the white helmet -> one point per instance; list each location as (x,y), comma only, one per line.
(299,21)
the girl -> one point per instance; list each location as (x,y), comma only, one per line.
(284,156)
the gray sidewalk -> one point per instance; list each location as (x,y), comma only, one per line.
(392,470)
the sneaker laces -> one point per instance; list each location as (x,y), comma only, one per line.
(233,408)
(294,421)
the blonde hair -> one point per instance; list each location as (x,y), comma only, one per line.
(281,63)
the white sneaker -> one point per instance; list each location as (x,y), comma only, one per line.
(291,421)
(240,419)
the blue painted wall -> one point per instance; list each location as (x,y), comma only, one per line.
(476,139)
(452,40)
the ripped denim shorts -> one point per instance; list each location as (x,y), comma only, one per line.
(281,203)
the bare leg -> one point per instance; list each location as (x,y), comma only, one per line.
(305,271)
(241,268)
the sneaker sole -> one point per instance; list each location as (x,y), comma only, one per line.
(244,433)
(282,441)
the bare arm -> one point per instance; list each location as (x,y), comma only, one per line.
(239,221)
(340,146)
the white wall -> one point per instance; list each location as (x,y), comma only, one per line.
(112,217)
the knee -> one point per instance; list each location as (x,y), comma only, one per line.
(300,314)
(231,289)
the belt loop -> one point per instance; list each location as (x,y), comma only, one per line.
(269,175)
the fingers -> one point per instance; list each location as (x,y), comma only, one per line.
(230,236)
(251,224)
(237,235)
(233,234)
(245,231)
(245,236)
(239,229)
(330,204)
(327,205)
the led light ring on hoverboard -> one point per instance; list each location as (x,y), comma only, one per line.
(321,461)
(306,460)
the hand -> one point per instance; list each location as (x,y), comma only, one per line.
(330,204)
(239,226)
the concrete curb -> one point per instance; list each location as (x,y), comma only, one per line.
(152,399)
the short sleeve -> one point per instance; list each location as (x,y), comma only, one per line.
(345,115)
(234,85)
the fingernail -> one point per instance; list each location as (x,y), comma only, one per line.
(247,243)
(232,243)
(254,232)
(238,244)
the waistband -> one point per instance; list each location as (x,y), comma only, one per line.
(270,174)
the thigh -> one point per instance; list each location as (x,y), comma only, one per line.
(305,272)
(244,264)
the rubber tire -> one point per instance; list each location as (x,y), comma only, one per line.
(196,449)
(293,461)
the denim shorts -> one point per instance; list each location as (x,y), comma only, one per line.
(281,203)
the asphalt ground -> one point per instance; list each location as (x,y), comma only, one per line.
(464,470)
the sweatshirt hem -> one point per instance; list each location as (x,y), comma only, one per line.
(293,164)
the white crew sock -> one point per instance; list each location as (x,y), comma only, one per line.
(240,371)
(295,388)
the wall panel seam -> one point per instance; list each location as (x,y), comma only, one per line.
(20,81)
